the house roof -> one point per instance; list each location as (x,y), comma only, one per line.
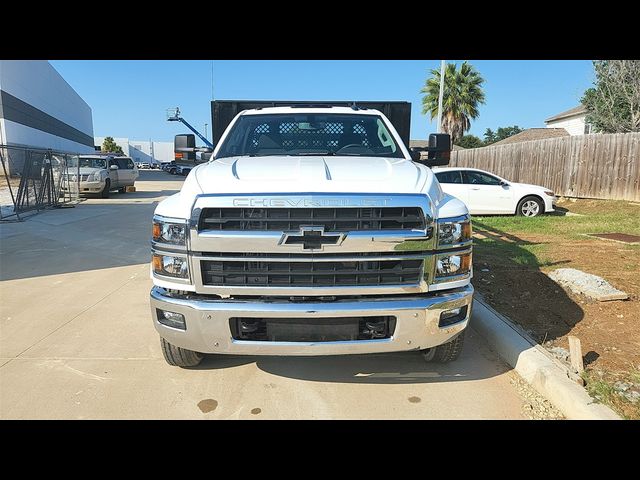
(533,134)
(425,143)
(580,109)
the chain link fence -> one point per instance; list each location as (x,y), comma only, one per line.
(34,179)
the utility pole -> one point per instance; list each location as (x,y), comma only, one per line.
(205,131)
(440,96)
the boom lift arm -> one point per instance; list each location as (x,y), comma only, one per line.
(175,117)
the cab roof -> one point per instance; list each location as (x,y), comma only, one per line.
(311,109)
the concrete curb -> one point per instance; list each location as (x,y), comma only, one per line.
(547,376)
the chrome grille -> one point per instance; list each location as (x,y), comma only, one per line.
(263,273)
(331,219)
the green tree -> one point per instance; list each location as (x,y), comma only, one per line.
(500,134)
(470,141)
(489,136)
(109,145)
(613,104)
(461,97)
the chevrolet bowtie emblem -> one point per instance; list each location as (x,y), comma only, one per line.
(311,238)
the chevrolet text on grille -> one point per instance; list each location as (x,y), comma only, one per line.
(312,230)
(310,202)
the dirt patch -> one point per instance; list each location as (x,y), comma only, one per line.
(618,237)
(510,271)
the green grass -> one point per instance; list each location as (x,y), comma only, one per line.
(602,390)
(597,216)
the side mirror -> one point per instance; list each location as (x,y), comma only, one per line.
(503,183)
(113,167)
(438,151)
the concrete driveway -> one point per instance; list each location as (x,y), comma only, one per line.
(77,340)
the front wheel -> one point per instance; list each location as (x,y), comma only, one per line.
(179,357)
(106,189)
(447,352)
(530,207)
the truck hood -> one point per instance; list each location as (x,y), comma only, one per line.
(311,174)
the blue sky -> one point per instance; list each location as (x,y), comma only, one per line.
(129,98)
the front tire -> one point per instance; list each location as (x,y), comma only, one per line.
(106,189)
(179,357)
(530,207)
(447,352)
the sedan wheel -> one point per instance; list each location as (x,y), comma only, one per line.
(530,207)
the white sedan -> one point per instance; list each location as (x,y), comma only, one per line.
(488,194)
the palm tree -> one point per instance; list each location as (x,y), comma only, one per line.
(462,95)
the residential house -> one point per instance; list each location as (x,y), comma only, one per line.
(533,134)
(573,121)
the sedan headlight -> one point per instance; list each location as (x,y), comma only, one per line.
(453,266)
(549,193)
(169,232)
(454,231)
(170,266)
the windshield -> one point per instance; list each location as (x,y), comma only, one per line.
(310,134)
(88,162)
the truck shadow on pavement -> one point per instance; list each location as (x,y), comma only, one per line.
(476,362)
(507,272)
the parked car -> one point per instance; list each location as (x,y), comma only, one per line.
(183,170)
(99,174)
(145,165)
(488,194)
(168,166)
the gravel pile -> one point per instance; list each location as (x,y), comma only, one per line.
(587,284)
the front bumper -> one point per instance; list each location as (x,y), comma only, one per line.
(208,329)
(550,203)
(87,187)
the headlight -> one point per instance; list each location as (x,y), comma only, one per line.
(96,176)
(549,193)
(453,231)
(170,266)
(173,233)
(453,265)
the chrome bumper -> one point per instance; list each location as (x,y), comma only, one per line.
(208,329)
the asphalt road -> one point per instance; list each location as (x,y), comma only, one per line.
(77,340)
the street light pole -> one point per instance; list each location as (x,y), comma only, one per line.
(441,93)
(205,131)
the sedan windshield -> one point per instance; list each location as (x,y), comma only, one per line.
(311,134)
(88,162)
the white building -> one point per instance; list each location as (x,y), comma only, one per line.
(38,108)
(573,121)
(143,150)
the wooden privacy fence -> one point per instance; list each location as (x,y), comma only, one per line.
(588,166)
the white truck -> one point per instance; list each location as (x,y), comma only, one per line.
(312,230)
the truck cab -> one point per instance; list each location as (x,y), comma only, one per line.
(313,230)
